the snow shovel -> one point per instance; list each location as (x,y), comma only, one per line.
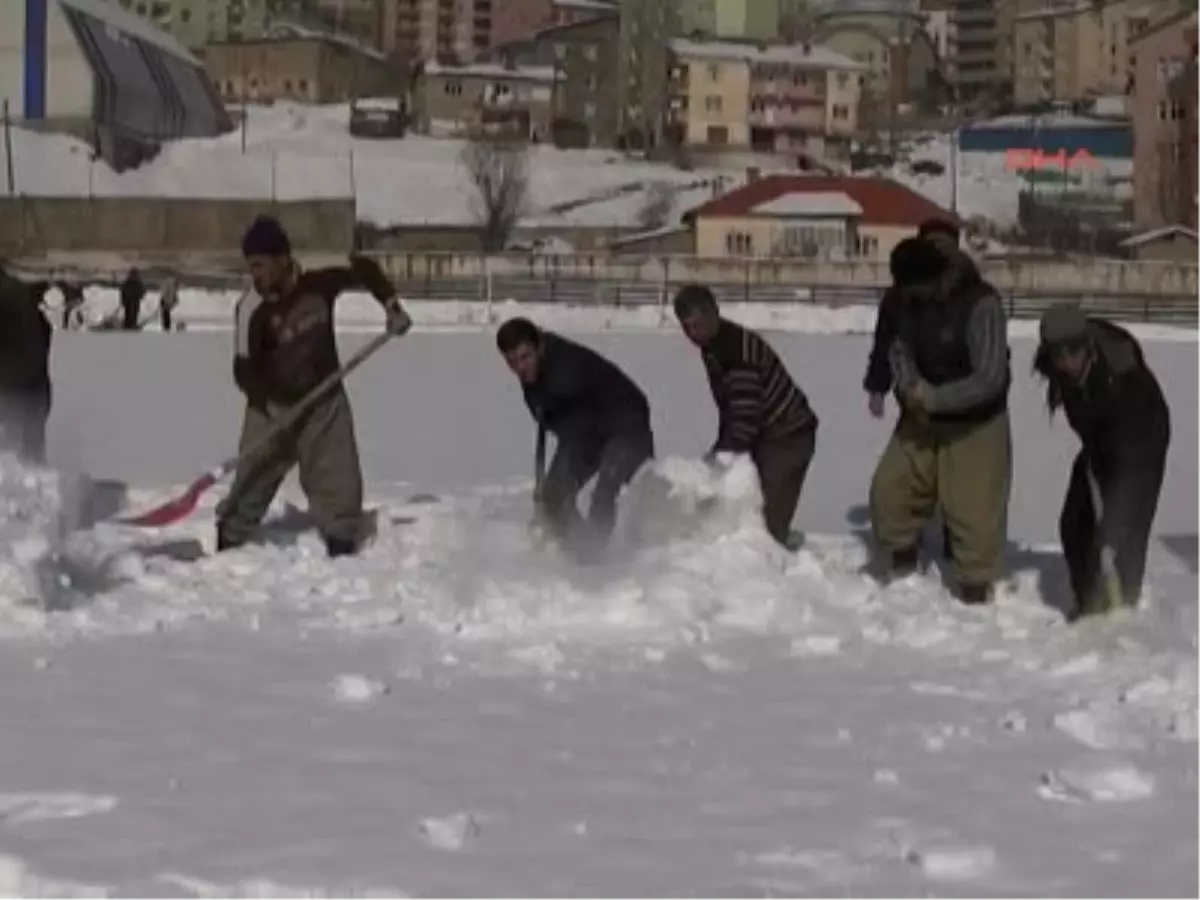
(537,531)
(1112,596)
(182,506)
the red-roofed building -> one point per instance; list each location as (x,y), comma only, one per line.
(817,216)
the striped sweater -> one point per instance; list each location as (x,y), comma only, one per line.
(755,396)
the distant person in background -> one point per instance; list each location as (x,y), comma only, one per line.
(72,309)
(133,292)
(167,301)
(1096,373)
(25,335)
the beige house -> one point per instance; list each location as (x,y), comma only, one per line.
(811,217)
(1172,243)
(1078,50)
(769,98)
(306,69)
(1164,123)
(455,99)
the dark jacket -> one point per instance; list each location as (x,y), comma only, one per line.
(286,347)
(1117,409)
(956,343)
(756,398)
(878,379)
(580,396)
(25,336)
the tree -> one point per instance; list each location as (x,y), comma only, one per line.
(498,166)
(656,209)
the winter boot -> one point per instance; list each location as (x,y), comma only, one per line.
(224,542)
(904,563)
(336,547)
(975,594)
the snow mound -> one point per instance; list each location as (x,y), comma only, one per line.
(29,522)
(690,562)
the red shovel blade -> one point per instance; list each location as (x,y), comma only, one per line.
(173,510)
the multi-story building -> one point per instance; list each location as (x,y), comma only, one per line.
(585,56)
(456,30)
(1078,49)
(195,23)
(1164,122)
(780,99)
(646,26)
(308,69)
(454,99)
(901,62)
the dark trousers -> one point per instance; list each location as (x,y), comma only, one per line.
(782,465)
(164,316)
(613,463)
(1129,496)
(130,313)
(23,417)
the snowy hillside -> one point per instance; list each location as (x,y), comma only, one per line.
(456,713)
(294,152)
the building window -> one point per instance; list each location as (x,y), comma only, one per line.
(714,72)
(453,88)
(841,111)
(842,79)
(866,246)
(712,103)
(738,243)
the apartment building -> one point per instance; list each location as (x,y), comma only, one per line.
(980,61)
(195,23)
(585,55)
(1164,122)
(1078,49)
(779,99)
(458,99)
(645,29)
(456,30)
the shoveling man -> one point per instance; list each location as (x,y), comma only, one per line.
(1096,373)
(285,347)
(762,411)
(599,418)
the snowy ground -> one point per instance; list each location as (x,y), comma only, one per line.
(293,152)
(456,714)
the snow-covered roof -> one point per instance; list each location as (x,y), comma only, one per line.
(817,203)
(816,57)
(1046,120)
(1155,234)
(1052,10)
(281,27)
(596,5)
(495,70)
(128,23)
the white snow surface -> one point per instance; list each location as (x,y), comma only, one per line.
(291,152)
(456,712)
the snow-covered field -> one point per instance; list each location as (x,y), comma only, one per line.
(292,152)
(454,713)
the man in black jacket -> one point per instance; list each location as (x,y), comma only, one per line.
(762,411)
(133,291)
(951,449)
(600,420)
(1096,373)
(25,336)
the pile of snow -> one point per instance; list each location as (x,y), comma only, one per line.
(29,525)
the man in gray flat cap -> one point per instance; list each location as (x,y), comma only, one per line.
(1095,372)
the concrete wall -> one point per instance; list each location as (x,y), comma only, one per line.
(1101,277)
(37,225)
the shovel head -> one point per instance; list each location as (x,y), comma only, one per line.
(173,510)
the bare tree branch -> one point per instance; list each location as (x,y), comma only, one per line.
(498,166)
(656,208)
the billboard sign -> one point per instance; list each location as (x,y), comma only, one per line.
(1018,159)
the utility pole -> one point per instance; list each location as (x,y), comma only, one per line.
(8,152)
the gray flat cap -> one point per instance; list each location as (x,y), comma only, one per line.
(1063,323)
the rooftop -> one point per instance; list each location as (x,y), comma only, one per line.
(816,57)
(879,201)
(546,74)
(131,24)
(816,203)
